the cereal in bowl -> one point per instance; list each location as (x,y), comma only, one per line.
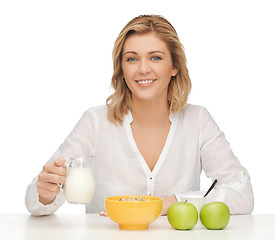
(133,199)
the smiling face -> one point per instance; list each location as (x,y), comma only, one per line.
(147,67)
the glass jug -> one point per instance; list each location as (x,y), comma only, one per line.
(79,187)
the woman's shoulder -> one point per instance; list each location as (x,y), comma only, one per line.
(192,109)
(97,112)
(95,109)
(193,112)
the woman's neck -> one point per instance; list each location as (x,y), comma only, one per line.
(150,112)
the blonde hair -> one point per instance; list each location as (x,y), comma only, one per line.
(120,102)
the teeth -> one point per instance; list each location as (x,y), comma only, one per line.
(145,81)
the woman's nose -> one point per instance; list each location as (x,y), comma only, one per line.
(144,67)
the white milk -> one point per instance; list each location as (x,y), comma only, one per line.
(196,200)
(79,185)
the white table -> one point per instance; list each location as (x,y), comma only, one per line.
(93,226)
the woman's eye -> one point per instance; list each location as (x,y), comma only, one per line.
(156,58)
(131,59)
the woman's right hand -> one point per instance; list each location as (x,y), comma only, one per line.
(53,173)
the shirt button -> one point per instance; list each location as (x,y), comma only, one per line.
(150,178)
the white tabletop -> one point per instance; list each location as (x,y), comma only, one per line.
(93,226)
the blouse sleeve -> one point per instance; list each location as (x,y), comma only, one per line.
(218,162)
(80,142)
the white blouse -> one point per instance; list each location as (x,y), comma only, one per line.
(194,143)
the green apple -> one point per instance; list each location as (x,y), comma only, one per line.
(182,215)
(215,215)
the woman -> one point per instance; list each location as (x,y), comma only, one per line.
(147,140)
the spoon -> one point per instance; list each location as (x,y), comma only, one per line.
(211,187)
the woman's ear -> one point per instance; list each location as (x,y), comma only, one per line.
(174,72)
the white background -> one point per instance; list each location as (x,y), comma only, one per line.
(55,62)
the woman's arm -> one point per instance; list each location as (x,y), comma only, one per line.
(167,202)
(80,142)
(219,162)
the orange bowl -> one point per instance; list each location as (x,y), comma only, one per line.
(133,215)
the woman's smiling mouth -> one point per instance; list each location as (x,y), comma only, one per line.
(145,82)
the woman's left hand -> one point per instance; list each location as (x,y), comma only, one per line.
(167,202)
(103,213)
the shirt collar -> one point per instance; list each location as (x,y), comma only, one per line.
(128,119)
